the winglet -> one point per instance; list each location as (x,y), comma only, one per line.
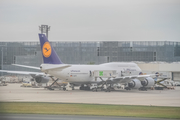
(49,54)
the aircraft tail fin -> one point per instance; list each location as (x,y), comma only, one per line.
(49,54)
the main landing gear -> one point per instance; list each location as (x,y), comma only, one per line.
(85,87)
(103,87)
(143,89)
(64,88)
(108,90)
(94,89)
(127,88)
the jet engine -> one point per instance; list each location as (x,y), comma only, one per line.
(135,83)
(148,82)
(41,79)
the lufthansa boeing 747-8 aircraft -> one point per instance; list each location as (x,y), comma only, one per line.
(107,73)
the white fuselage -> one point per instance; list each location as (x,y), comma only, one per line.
(82,73)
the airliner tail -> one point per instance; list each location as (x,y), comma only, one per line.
(49,54)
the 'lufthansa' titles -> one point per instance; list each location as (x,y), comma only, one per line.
(46,49)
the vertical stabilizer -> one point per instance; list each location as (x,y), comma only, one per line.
(49,54)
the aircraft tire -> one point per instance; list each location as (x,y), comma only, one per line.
(64,89)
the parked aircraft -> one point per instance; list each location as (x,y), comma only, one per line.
(85,75)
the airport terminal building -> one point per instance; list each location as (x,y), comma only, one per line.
(28,53)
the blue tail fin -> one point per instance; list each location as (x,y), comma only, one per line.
(49,54)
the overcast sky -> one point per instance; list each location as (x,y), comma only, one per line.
(90,19)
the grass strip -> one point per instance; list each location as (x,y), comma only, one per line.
(90,109)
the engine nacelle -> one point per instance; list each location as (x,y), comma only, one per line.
(135,83)
(148,82)
(42,79)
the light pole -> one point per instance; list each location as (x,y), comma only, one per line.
(44,29)
(2,61)
(2,55)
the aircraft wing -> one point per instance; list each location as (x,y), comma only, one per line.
(23,72)
(127,79)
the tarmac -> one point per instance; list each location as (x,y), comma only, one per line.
(15,93)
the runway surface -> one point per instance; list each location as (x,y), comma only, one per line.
(67,117)
(13,92)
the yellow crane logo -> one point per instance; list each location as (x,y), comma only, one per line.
(46,49)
